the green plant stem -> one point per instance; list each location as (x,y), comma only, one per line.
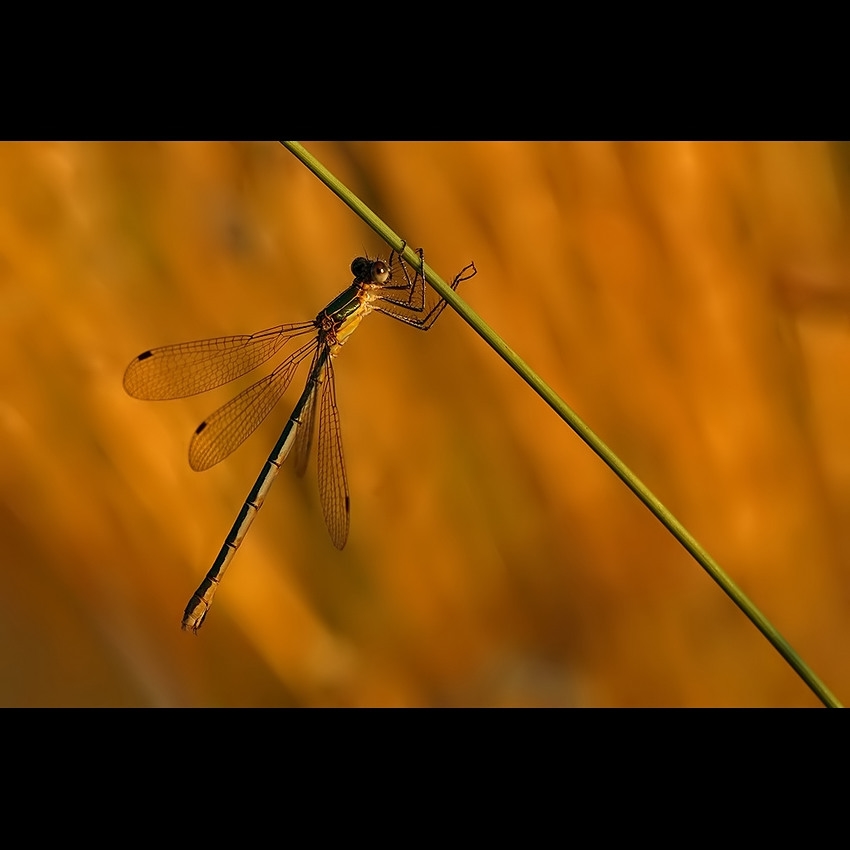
(572,419)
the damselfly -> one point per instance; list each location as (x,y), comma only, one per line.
(178,371)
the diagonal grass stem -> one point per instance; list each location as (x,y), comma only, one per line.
(574,421)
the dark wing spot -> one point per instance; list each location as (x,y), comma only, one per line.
(201,427)
(145,355)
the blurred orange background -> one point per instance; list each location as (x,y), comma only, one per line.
(690,301)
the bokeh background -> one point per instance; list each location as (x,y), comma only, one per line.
(690,301)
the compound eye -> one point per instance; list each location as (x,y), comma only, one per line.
(360,267)
(380,272)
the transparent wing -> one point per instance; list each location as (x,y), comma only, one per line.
(304,434)
(226,429)
(177,371)
(333,486)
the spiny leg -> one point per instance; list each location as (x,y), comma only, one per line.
(415,299)
(419,309)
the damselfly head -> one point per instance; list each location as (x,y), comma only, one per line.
(370,271)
